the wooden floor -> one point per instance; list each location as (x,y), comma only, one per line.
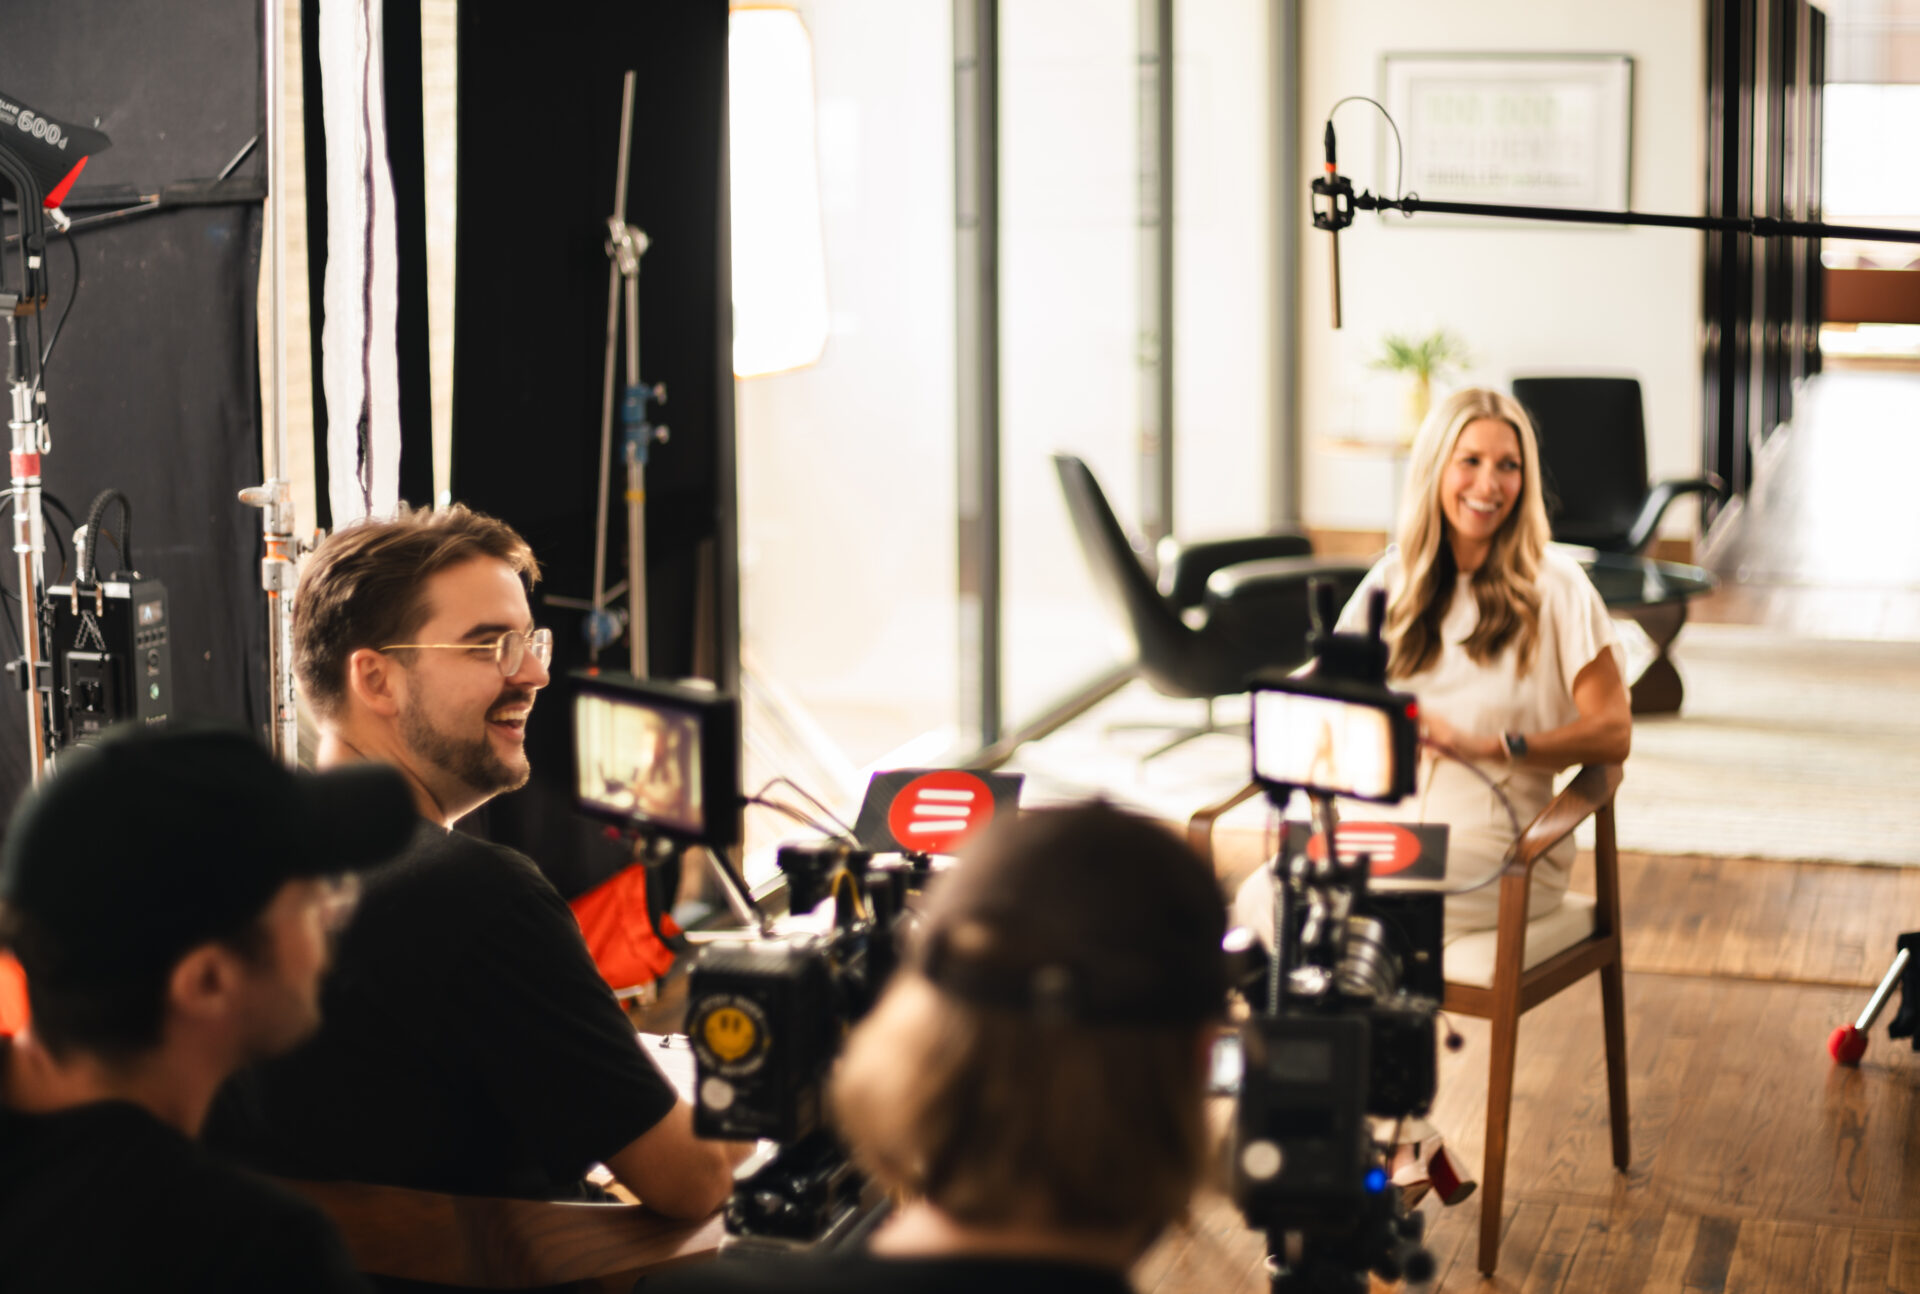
(1757,1164)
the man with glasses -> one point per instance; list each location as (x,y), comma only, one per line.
(471,1046)
(170,897)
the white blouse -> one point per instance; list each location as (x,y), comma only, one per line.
(1486,699)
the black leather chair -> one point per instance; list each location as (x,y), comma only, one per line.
(1593,453)
(1219,621)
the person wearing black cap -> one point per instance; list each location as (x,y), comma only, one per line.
(170,896)
(1033,1081)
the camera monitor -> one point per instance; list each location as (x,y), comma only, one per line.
(659,757)
(1332,737)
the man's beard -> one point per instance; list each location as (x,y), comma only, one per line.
(473,763)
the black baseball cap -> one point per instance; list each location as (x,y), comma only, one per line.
(154,841)
(1085,913)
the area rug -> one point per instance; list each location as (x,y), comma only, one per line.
(1785,748)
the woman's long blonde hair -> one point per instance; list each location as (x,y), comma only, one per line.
(1506,585)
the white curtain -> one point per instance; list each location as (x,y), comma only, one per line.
(360,365)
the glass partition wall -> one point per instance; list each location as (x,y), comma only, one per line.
(1072,337)
(850,653)
(860,651)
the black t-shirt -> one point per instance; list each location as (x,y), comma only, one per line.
(862,1273)
(468,1044)
(107,1197)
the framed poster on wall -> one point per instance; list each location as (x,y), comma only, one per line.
(1537,130)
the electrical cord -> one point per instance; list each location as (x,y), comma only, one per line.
(65,555)
(844,878)
(1513,820)
(73,294)
(845,831)
(1500,794)
(1399,153)
(96,522)
(780,806)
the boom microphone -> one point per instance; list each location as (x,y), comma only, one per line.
(1337,189)
(53,151)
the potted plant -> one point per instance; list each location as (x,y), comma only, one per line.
(1437,354)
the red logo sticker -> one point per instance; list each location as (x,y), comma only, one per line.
(934,812)
(1393,847)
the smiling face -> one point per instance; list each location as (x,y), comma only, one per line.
(1479,487)
(463,724)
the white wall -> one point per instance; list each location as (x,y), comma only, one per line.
(1070,327)
(1524,299)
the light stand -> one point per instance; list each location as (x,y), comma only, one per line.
(28,442)
(625,246)
(274,496)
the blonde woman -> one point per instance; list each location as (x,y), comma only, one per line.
(1505,642)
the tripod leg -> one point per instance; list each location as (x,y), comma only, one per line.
(1906,1021)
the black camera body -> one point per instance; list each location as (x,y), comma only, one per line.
(767,1017)
(1345,1007)
(1341,1047)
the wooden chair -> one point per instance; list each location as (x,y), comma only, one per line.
(1532,961)
(1501,974)
(489,1243)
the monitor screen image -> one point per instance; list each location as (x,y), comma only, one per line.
(640,761)
(1323,744)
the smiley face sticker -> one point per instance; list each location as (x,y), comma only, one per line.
(730,1033)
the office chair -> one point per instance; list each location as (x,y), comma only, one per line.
(1219,621)
(1593,459)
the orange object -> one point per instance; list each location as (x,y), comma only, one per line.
(620,933)
(13,996)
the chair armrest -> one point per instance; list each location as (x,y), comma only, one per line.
(504,1243)
(1280,574)
(1184,569)
(1589,792)
(1200,825)
(1656,505)
(1266,608)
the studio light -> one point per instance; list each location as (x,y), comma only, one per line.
(779,257)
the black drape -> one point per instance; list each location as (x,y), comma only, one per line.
(154,387)
(539,126)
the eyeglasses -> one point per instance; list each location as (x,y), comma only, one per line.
(510,650)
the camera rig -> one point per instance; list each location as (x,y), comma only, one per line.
(1345,1006)
(767,1017)
(767,1009)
